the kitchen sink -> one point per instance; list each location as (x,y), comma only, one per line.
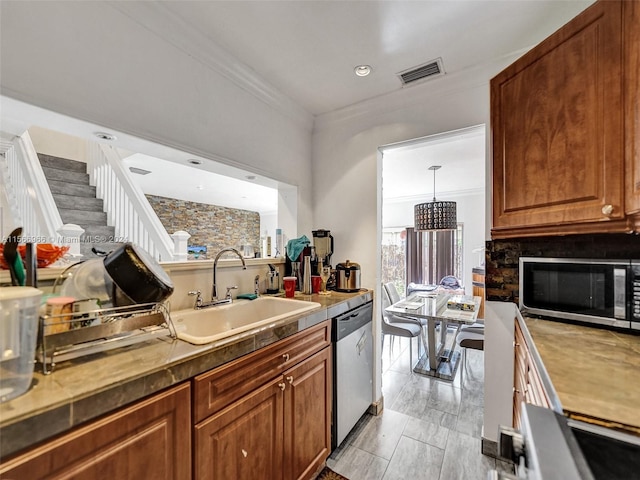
(215,323)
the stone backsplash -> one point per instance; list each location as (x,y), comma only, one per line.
(211,225)
(502,257)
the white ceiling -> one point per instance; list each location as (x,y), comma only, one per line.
(176,180)
(307,50)
(405,168)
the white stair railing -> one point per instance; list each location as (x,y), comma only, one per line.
(31,204)
(128,210)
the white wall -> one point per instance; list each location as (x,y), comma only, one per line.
(346,167)
(58,144)
(91,61)
(470,212)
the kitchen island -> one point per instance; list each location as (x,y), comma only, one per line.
(86,388)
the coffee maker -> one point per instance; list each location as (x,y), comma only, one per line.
(323,243)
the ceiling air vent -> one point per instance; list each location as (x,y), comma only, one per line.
(427,70)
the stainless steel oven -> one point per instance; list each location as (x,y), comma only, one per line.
(605,292)
(551,446)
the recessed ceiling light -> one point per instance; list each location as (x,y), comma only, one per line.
(105,136)
(362,70)
(193,161)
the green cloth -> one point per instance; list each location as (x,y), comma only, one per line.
(295,247)
(248,296)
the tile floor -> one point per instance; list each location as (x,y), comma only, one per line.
(430,429)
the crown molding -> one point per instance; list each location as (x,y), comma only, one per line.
(157,18)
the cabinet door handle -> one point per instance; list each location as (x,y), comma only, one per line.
(290,379)
(285,357)
(282,386)
(607,210)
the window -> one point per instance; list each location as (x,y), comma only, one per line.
(432,255)
(442,255)
(394,257)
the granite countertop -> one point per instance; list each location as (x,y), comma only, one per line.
(84,388)
(595,372)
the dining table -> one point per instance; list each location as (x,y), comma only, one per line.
(441,358)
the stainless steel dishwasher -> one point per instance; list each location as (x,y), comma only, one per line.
(352,369)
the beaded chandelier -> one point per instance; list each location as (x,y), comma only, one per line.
(435,215)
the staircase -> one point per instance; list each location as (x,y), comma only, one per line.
(77,203)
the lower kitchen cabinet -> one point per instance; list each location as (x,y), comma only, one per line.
(281,430)
(149,439)
(307,415)
(243,439)
(527,383)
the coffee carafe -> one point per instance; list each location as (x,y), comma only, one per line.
(323,243)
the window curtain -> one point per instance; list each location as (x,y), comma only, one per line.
(430,255)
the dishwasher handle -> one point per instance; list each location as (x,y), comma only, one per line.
(349,322)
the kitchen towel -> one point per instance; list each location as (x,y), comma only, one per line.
(295,247)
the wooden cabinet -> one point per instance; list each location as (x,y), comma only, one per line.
(564,121)
(631,15)
(150,439)
(281,426)
(527,384)
(307,417)
(477,279)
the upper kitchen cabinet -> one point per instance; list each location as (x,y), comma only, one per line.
(565,129)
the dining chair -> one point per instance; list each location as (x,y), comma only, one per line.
(399,327)
(469,336)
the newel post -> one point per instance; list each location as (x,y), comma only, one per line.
(70,234)
(180,239)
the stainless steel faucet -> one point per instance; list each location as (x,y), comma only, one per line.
(214,290)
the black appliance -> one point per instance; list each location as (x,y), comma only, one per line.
(604,292)
(553,446)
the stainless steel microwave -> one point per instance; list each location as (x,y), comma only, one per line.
(605,292)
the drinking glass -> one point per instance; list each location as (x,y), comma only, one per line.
(325,273)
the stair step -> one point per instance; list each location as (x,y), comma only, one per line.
(66,176)
(87,252)
(62,163)
(93,231)
(78,202)
(64,188)
(97,234)
(82,217)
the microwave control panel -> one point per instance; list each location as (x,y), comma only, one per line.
(635,294)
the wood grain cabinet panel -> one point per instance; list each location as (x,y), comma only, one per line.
(245,440)
(279,429)
(222,386)
(527,383)
(631,15)
(150,439)
(477,280)
(307,419)
(558,132)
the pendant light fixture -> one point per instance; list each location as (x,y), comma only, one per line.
(435,215)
